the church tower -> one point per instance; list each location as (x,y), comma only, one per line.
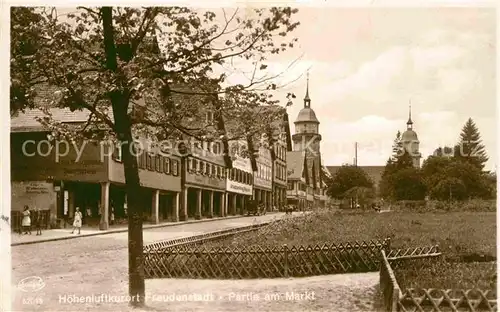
(307,138)
(410,142)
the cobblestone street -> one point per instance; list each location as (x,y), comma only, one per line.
(88,265)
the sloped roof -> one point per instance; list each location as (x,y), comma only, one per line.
(306,115)
(374,172)
(295,164)
(26,121)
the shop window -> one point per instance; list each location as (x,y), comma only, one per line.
(166,167)
(175,167)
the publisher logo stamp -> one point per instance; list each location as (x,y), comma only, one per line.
(31,284)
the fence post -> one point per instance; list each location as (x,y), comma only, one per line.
(387,246)
(395,298)
(285,248)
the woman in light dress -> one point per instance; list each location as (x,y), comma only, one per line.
(26,222)
(77,224)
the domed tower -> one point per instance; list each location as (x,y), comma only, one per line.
(307,137)
(410,142)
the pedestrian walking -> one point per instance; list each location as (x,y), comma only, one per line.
(38,221)
(77,223)
(26,222)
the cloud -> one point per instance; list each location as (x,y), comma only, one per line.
(433,73)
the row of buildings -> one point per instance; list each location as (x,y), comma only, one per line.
(197,184)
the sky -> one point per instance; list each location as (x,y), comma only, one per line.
(367,64)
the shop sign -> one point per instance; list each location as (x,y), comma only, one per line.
(262,183)
(205,180)
(37,188)
(239,188)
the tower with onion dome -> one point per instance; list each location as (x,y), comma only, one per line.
(308,139)
(410,142)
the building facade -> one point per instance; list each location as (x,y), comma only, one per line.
(59,176)
(263,186)
(204,183)
(239,184)
(298,180)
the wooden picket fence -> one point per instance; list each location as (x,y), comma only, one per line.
(447,300)
(263,262)
(420,299)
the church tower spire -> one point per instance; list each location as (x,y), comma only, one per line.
(409,123)
(307,99)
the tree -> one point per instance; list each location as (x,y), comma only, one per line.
(408,184)
(434,170)
(397,148)
(469,147)
(153,68)
(444,175)
(346,178)
(399,160)
(363,195)
(449,189)
(404,161)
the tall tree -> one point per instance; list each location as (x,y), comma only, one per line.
(346,178)
(158,61)
(397,147)
(470,147)
(404,160)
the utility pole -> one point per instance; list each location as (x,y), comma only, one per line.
(355,154)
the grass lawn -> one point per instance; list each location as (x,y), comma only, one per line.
(447,275)
(458,234)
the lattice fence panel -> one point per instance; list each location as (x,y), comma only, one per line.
(441,300)
(262,262)
(403,257)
